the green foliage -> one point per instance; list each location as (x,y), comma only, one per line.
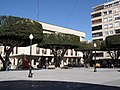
(15,29)
(60,40)
(85,46)
(103,46)
(113,41)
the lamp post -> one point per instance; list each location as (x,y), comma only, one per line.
(95,45)
(30,68)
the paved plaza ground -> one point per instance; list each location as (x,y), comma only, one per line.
(61,79)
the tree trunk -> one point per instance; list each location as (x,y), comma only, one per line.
(114,55)
(6,57)
(87,56)
(58,57)
(4,64)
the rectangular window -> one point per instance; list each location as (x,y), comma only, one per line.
(75,53)
(106,26)
(16,50)
(116,24)
(111,32)
(97,40)
(97,28)
(117,31)
(71,52)
(97,34)
(110,12)
(116,10)
(104,13)
(44,51)
(67,52)
(51,52)
(37,50)
(116,16)
(105,19)
(116,3)
(106,33)
(96,15)
(97,21)
(110,25)
(110,19)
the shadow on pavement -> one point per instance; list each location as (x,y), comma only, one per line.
(52,85)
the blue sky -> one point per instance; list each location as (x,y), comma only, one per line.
(57,12)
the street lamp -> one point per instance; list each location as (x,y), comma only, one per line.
(95,45)
(30,68)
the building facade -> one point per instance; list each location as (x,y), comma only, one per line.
(22,53)
(105,22)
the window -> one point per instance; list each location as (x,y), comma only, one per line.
(116,10)
(116,24)
(106,26)
(117,31)
(67,52)
(108,33)
(75,53)
(51,52)
(110,19)
(97,40)
(97,21)
(97,34)
(105,13)
(110,12)
(111,32)
(105,19)
(37,50)
(96,15)
(71,52)
(44,51)
(116,16)
(110,25)
(116,3)
(16,50)
(97,28)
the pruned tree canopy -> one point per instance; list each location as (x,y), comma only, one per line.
(113,41)
(16,29)
(59,40)
(85,46)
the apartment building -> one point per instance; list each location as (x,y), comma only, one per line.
(105,22)
(41,53)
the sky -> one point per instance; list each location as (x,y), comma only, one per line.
(73,14)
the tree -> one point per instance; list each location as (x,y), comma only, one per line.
(59,43)
(113,46)
(15,31)
(87,49)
